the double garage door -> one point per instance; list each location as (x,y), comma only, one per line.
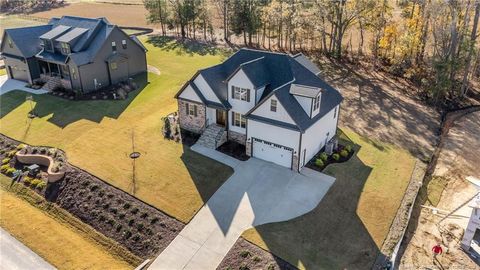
(275,153)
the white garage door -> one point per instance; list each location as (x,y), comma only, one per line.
(275,153)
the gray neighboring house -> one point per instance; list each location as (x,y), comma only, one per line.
(82,54)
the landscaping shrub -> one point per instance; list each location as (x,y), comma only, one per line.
(323,156)
(41,185)
(154,220)
(43,151)
(140,227)
(119,227)
(257,259)
(144,215)
(121,216)
(344,153)
(245,253)
(136,237)
(126,206)
(336,156)
(243,267)
(27,180)
(6,169)
(134,211)
(130,222)
(271,267)
(127,234)
(348,148)
(6,160)
(319,162)
(11,153)
(20,146)
(35,182)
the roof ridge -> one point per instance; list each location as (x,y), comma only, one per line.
(264,51)
(251,61)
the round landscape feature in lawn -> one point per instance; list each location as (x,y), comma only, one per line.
(134,155)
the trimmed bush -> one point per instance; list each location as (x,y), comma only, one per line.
(11,153)
(41,185)
(35,182)
(4,168)
(245,253)
(344,153)
(6,160)
(20,146)
(323,156)
(319,162)
(28,180)
(348,148)
(336,156)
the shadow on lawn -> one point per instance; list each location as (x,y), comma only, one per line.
(65,112)
(185,46)
(332,234)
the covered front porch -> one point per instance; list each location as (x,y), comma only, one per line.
(59,73)
(216,116)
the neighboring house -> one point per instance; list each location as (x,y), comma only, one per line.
(275,104)
(81,54)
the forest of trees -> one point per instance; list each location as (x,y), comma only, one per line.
(433,43)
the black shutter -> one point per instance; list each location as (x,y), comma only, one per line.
(248,95)
(195,110)
(233,92)
(186,107)
(233,119)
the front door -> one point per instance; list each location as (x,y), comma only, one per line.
(221,117)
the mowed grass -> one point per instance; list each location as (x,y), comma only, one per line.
(347,228)
(58,243)
(97,136)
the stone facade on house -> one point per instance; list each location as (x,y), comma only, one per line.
(237,137)
(295,163)
(188,122)
(248,148)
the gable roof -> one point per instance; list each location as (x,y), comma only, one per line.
(86,37)
(26,38)
(304,61)
(277,72)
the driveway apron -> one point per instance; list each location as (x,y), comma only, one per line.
(258,192)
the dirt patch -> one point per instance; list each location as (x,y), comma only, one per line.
(234,150)
(245,255)
(458,158)
(122,15)
(142,229)
(378,106)
(153,70)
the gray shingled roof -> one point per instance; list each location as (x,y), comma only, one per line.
(26,38)
(277,71)
(302,59)
(304,90)
(87,34)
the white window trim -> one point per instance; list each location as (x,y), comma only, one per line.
(240,93)
(316,103)
(239,120)
(273,105)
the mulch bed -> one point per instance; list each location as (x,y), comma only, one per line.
(234,150)
(142,229)
(311,164)
(245,255)
(189,138)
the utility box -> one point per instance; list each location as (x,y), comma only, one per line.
(33,170)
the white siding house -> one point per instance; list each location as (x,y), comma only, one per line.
(272,103)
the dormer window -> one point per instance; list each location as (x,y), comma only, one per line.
(273,105)
(48,45)
(114,46)
(124,44)
(316,103)
(241,93)
(65,48)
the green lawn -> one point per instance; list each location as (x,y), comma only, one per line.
(350,224)
(97,135)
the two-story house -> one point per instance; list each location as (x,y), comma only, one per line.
(82,54)
(273,103)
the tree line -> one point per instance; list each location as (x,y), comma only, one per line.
(433,43)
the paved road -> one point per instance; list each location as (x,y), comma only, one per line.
(16,256)
(258,192)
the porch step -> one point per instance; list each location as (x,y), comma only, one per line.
(52,83)
(212,136)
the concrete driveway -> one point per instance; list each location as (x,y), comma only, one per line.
(16,256)
(7,85)
(258,192)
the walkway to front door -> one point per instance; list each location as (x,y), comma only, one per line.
(258,192)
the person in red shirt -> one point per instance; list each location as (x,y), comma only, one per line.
(437,250)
